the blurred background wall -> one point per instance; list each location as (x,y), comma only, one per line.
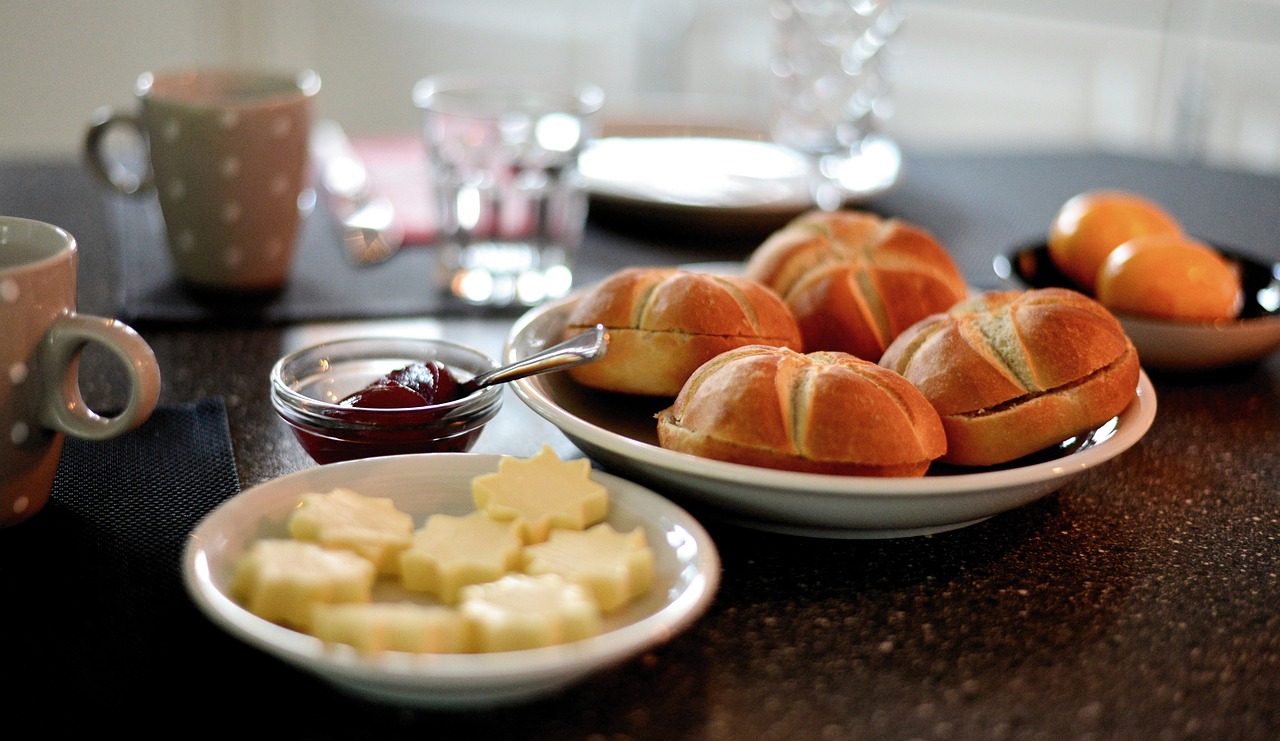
(1181,78)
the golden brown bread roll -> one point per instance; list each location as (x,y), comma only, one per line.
(853,280)
(664,322)
(1013,372)
(824,412)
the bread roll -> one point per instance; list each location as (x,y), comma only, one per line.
(854,281)
(1014,372)
(663,323)
(824,412)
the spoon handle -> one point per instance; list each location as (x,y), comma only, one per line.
(584,348)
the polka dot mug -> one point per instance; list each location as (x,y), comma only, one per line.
(226,154)
(41,340)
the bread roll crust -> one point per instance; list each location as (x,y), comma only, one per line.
(664,322)
(824,412)
(853,280)
(1013,372)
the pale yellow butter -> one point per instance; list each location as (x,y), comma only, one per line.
(450,552)
(392,626)
(370,526)
(614,567)
(520,611)
(540,493)
(283,580)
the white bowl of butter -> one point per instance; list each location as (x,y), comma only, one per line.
(686,573)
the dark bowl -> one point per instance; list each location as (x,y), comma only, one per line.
(1176,345)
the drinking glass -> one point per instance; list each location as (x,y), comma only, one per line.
(830,68)
(503,155)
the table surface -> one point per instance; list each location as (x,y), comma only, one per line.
(1137,602)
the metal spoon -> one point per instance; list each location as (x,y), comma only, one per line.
(584,348)
(371,232)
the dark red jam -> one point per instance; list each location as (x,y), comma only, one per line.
(347,445)
(412,431)
(415,385)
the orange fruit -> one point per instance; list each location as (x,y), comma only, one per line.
(1169,276)
(1091,224)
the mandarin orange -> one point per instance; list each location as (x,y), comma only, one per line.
(1169,277)
(1091,224)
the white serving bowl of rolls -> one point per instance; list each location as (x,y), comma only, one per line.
(820,442)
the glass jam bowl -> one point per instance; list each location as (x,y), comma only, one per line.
(308,384)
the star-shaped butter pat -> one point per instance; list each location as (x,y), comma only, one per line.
(520,611)
(341,518)
(540,493)
(614,567)
(282,580)
(451,552)
(392,626)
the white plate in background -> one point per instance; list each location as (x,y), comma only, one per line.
(728,182)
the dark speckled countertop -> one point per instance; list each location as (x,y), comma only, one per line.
(1140,601)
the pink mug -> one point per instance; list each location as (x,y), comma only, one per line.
(41,339)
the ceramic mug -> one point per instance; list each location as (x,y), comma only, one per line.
(226,154)
(41,340)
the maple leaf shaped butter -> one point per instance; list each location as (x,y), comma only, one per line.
(614,567)
(341,518)
(450,552)
(520,611)
(392,626)
(283,580)
(540,493)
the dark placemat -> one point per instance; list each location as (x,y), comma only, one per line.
(979,206)
(324,285)
(91,586)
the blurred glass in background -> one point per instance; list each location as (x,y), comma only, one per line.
(831,67)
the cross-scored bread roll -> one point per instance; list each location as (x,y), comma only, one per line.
(824,412)
(1014,372)
(853,280)
(664,322)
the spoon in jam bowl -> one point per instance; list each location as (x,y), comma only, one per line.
(433,382)
(584,348)
(438,403)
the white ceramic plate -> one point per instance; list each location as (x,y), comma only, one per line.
(1178,346)
(732,182)
(687,574)
(697,172)
(620,433)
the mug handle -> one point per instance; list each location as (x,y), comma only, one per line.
(114,174)
(62,406)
